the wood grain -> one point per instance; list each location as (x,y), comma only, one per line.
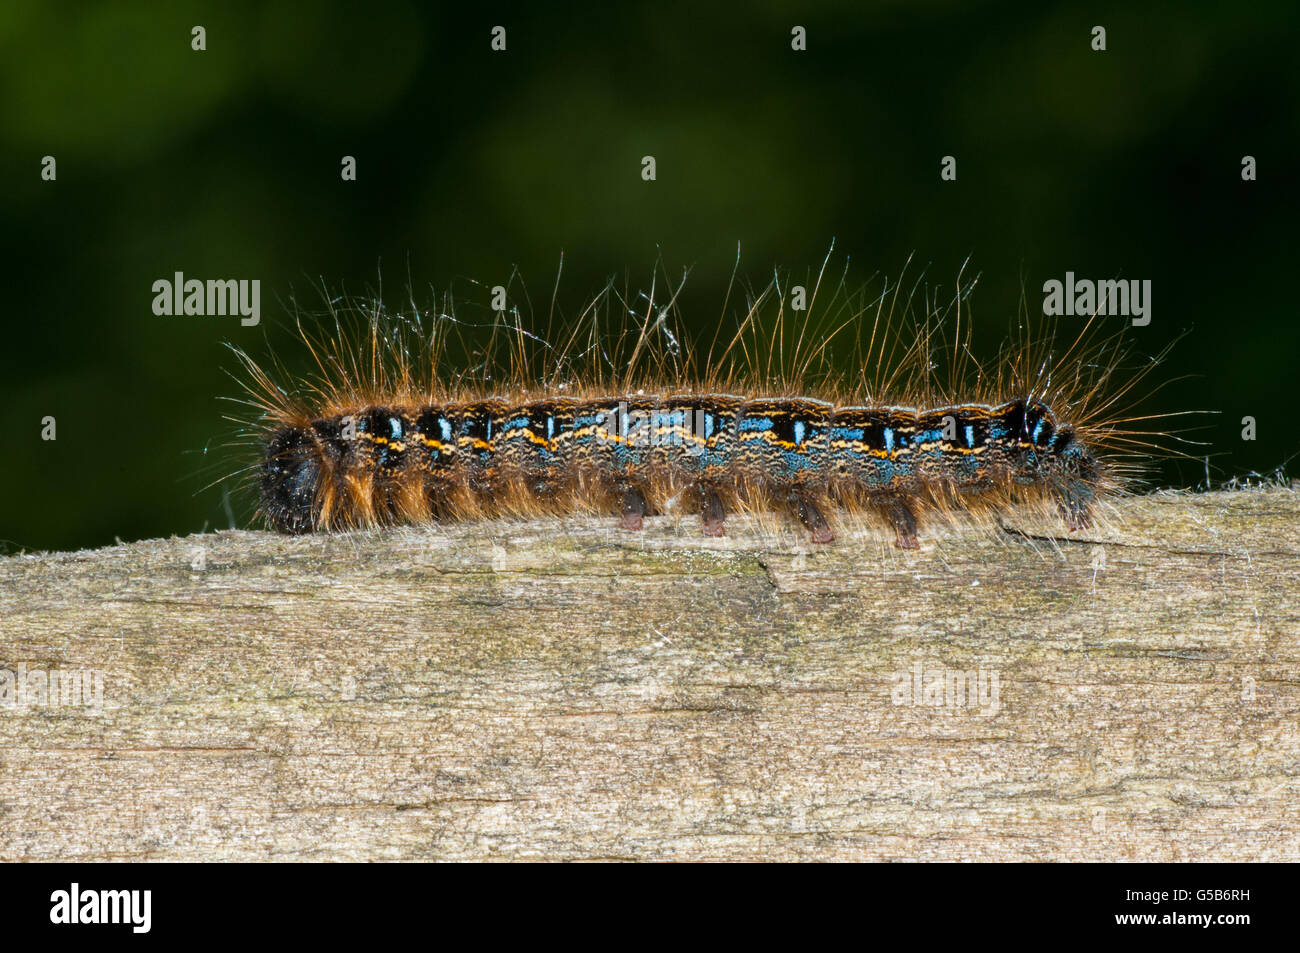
(563,690)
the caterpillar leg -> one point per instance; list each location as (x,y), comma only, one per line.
(811,516)
(903,521)
(712,513)
(1074,500)
(635,509)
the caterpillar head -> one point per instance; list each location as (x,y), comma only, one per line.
(291,480)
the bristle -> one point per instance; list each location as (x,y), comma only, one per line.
(406,418)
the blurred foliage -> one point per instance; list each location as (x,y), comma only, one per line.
(225,163)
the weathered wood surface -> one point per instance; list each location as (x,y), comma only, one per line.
(564,690)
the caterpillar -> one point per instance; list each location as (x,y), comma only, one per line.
(627,418)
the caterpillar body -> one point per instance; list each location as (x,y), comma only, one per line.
(381,465)
(630,421)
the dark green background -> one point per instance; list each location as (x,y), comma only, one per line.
(226,164)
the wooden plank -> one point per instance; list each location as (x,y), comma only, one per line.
(566,690)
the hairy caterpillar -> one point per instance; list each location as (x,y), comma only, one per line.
(622,416)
